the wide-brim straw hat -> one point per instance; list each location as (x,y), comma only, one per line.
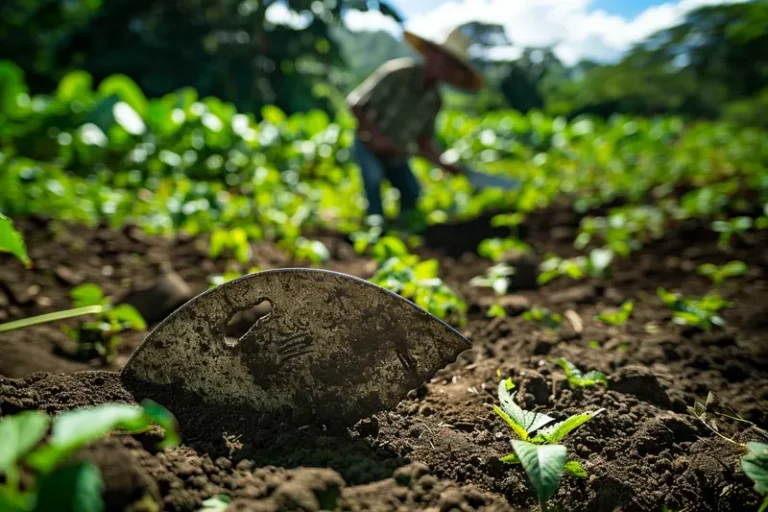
(456,45)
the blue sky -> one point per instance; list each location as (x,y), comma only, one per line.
(624,8)
(601,30)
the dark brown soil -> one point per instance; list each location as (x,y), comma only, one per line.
(439,449)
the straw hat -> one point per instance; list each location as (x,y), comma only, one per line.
(456,45)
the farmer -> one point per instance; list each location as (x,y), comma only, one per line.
(396,108)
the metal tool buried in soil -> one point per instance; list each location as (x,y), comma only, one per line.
(334,347)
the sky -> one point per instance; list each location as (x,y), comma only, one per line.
(601,30)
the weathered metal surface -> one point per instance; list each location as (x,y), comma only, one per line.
(334,346)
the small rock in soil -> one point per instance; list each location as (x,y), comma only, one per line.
(67,276)
(161,298)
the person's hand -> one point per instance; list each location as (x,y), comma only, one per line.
(428,149)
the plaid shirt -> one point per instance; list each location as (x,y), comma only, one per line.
(396,101)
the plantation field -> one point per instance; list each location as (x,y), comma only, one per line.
(636,250)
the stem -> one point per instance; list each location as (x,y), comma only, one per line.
(51,317)
(543,504)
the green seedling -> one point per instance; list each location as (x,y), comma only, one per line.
(12,242)
(544,316)
(495,249)
(235,240)
(217,503)
(216,280)
(712,409)
(536,448)
(497,277)
(496,311)
(418,281)
(617,317)
(730,227)
(700,312)
(755,466)
(304,249)
(762,221)
(51,481)
(597,265)
(718,274)
(99,337)
(577,379)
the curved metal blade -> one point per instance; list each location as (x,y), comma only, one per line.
(335,346)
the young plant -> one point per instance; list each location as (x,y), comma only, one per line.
(730,227)
(100,336)
(577,379)
(235,240)
(617,317)
(495,249)
(40,476)
(497,277)
(217,279)
(418,282)
(536,448)
(755,466)
(597,265)
(496,311)
(718,274)
(700,312)
(11,241)
(217,503)
(544,316)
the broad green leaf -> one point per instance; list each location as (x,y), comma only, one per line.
(19,434)
(13,501)
(164,419)
(735,268)
(128,314)
(78,427)
(87,295)
(126,89)
(73,488)
(557,432)
(273,114)
(755,466)
(543,464)
(74,85)
(572,467)
(528,420)
(11,241)
(519,430)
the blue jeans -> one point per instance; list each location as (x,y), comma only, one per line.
(374,170)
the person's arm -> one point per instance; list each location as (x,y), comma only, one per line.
(372,136)
(429,149)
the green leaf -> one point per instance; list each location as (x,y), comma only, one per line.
(76,428)
(87,295)
(164,419)
(543,464)
(73,488)
(557,432)
(519,430)
(217,503)
(128,314)
(126,89)
(572,467)
(11,241)
(511,458)
(74,85)
(20,433)
(530,421)
(577,379)
(13,501)
(755,466)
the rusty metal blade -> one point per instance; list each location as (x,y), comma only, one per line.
(334,346)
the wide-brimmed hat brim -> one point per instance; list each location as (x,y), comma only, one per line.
(471,79)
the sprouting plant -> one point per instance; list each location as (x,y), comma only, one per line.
(597,264)
(236,240)
(495,249)
(536,448)
(496,311)
(577,379)
(730,227)
(544,316)
(755,466)
(388,247)
(718,274)
(11,241)
(418,281)
(617,317)
(304,249)
(762,221)
(709,411)
(497,277)
(218,503)
(700,312)
(100,336)
(51,480)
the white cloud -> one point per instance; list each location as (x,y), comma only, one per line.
(575,28)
